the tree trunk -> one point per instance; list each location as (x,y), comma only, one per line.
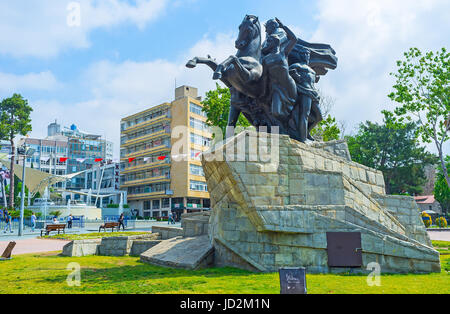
(444,168)
(11,174)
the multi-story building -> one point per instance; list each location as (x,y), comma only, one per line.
(155,183)
(81,148)
(84,149)
(48,155)
(104,180)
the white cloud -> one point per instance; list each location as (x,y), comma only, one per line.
(369,36)
(12,83)
(116,90)
(39,28)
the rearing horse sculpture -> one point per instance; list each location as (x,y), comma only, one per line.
(242,72)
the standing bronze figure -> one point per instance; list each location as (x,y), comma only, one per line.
(272,83)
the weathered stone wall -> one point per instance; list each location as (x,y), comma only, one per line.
(167,232)
(195,224)
(140,246)
(81,248)
(120,246)
(275,214)
(114,246)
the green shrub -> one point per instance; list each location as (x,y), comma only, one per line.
(56,213)
(426,220)
(441,222)
(117,206)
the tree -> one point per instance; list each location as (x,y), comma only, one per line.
(422,90)
(393,149)
(441,189)
(14,120)
(327,129)
(217,107)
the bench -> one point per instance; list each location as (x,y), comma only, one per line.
(50,228)
(111,225)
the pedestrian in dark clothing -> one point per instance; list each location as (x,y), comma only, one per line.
(121,219)
(69,221)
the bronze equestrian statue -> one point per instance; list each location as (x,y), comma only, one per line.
(272,83)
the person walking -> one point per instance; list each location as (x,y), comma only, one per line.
(121,219)
(7,220)
(69,221)
(33,222)
(169,221)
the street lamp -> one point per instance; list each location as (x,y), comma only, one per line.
(26,153)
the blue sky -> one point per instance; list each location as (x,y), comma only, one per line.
(126,55)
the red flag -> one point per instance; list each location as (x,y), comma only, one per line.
(63,159)
(98,159)
(161,157)
(130,160)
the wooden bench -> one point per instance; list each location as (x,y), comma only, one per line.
(111,225)
(55,227)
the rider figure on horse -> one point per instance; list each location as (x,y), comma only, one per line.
(278,83)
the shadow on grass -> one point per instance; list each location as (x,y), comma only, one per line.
(121,274)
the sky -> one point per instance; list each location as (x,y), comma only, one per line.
(93,62)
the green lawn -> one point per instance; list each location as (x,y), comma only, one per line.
(95,235)
(47,274)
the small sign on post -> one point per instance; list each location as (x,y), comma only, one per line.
(293,280)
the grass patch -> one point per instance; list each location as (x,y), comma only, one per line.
(47,274)
(441,244)
(96,235)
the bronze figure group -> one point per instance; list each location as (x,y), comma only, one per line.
(273,83)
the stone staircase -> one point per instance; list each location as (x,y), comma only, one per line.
(192,250)
(188,253)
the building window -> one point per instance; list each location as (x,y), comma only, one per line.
(199,125)
(200,140)
(196,170)
(166,203)
(156,204)
(197,110)
(198,186)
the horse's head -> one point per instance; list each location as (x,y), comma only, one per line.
(249,29)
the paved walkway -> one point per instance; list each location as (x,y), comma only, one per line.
(439,235)
(34,246)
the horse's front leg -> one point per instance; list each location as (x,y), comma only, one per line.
(232,121)
(221,67)
(199,60)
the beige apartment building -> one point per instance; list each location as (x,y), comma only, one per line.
(161,169)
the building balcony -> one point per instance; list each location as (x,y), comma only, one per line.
(144,196)
(136,127)
(147,152)
(146,137)
(139,182)
(149,166)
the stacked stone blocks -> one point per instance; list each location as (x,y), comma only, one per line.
(268,215)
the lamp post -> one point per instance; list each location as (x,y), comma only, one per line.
(25,153)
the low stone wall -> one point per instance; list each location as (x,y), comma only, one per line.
(121,246)
(79,248)
(195,224)
(114,246)
(140,246)
(167,232)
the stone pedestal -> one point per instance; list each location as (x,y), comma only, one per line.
(275,212)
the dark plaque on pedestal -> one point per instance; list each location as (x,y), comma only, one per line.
(293,280)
